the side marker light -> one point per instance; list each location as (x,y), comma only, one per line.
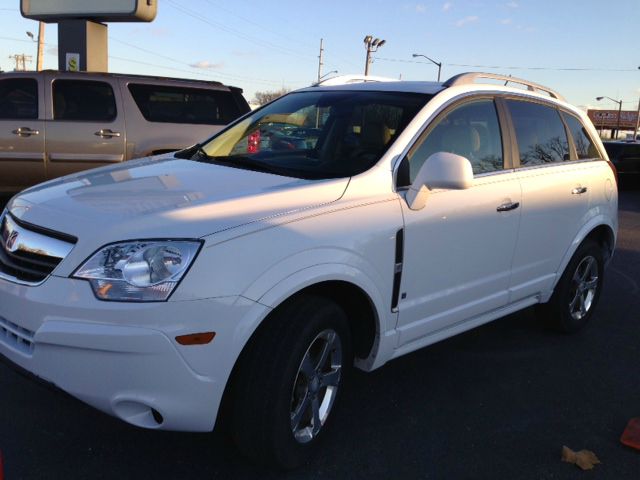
(196,338)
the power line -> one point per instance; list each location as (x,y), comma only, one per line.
(512,67)
(259,25)
(182,62)
(220,26)
(193,72)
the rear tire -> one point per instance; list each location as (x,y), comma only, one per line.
(289,380)
(577,293)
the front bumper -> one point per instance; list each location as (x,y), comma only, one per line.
(122,358)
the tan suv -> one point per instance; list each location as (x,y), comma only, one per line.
(54,123)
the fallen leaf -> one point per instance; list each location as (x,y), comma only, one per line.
(585,459)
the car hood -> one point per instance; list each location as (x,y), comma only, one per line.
(166,197)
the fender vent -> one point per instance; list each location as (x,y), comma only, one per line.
(397,269)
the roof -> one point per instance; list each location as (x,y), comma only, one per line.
(430,88)
(471,81)
(124,75)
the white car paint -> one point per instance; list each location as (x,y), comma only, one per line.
(266,237)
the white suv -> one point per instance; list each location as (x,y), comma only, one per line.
(336,225)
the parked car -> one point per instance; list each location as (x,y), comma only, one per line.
(236,280)
(626,158)
(55,123)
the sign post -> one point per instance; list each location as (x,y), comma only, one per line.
(82,33)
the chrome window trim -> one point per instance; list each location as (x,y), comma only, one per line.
(558,164)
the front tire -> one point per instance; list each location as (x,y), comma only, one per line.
(289,380)
(577,292)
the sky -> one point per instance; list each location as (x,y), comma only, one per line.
(582,48)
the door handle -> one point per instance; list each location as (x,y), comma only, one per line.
(506,207)
(106,133)
(579,190)
(25,132)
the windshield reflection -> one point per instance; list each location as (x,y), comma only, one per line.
(316,135)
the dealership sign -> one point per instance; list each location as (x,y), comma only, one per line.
(609,118)
(96,10)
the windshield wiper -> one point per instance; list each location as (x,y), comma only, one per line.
(190,152)
(200,151)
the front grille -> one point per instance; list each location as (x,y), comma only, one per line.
(16,337)
(29,254)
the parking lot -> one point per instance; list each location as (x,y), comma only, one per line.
(496,402)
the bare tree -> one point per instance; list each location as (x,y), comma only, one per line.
(267,96)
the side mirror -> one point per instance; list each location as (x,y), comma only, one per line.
(441,170)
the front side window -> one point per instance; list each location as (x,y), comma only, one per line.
(83,100)
(315,135)
(585,148)
(19,98)
(170,104)
(540,133)
(470,130)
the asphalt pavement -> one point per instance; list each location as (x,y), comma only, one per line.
(498,402)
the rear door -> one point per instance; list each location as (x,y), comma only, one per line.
(555,194)
(86,127)
(21,133)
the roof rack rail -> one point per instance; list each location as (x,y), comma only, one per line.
(471,77)
(347,79)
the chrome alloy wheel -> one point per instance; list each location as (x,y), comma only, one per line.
(316,385)
(584,285)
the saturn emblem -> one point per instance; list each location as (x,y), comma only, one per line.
(11,241)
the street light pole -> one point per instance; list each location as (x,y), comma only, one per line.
(328,73)
(619,102)
(372,45)
(439,64)
(40,41)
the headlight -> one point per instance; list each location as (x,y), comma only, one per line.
(144,271)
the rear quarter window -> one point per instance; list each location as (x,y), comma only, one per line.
(585,148)
(169,104)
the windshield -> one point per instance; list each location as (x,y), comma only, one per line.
(315,135)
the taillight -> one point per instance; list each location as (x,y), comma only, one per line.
(253,142)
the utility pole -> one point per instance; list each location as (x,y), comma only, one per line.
(21,61)
(40,57)
(635,132)
(320,61)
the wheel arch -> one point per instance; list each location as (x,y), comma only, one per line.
(599,230)
(361,312)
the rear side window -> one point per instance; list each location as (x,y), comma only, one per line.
(585,148)
(540,133)
(470,130)
(83,100)
(167,104)
(19,98)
